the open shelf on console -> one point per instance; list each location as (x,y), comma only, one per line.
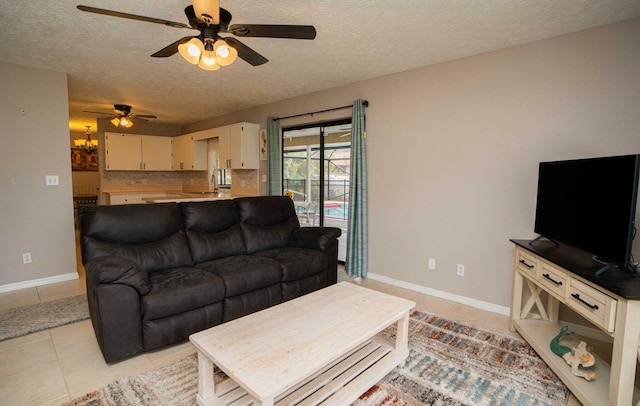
(539,333)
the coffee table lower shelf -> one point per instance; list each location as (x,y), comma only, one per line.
(340,383)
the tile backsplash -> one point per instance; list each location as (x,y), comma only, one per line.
(198,180)
(171,180)
(244,178)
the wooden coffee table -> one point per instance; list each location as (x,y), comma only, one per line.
(318,348)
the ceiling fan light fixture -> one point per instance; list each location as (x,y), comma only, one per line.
(222,48)
(225,54)
(122,122)
(207,10)
(191,50)
(208,61)
(125,122)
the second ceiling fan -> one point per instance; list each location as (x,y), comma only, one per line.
(122,117)
(209,50)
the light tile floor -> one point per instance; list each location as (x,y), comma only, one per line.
(54,366)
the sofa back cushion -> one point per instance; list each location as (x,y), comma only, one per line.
(213,229)
(266,221)
(151,235)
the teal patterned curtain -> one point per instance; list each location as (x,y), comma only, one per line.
(357,235)
(273,157)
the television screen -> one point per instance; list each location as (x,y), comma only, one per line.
(589,204)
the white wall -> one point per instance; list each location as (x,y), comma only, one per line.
(34,218)
(454,149)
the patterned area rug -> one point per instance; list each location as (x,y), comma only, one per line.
(450,363)
(29,319)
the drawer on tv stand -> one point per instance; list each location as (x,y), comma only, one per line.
(594,305)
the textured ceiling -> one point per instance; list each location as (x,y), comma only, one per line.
(107,59)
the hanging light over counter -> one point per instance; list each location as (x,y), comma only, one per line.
(88,145)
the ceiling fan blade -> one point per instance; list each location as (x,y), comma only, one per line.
(143,116)
(246,53)
(171,49)
(273,31)
(99,112)
(132,16)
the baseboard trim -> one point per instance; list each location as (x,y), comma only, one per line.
(38,282)
(478,304)
(578,329)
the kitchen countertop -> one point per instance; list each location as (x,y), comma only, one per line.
(190,197)
(157,194)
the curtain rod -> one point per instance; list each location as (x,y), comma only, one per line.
(366,104)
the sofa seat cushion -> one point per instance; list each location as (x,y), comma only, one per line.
(297,263)
(244,273)
(178,290)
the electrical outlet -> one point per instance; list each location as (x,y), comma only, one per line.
(432,263)
(52,180)
(26,258)
(460,270)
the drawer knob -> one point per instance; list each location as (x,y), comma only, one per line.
(546,275)
(577,297)
(523,262)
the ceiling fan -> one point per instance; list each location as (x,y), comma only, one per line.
(122,117)
(208,49)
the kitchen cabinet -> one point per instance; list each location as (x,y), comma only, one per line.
(156,153)
(135,152)
(189,154)
(238,146)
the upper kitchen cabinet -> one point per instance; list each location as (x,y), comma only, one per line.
(156,153)
(134,152)
(238,146)
(189,154)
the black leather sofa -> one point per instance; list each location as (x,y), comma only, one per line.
(157,273)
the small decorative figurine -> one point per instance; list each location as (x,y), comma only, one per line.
(576,357)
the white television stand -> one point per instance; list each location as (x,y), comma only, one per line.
(610,302)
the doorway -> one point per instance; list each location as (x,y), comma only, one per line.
(316,162)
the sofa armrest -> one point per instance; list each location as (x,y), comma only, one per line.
(112,269)
(317,238)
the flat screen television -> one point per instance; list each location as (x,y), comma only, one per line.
(590,204)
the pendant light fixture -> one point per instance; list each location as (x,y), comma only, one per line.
(89,146)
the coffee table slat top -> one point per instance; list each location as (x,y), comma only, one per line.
(267,361)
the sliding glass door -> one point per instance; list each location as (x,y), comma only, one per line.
(315,167)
